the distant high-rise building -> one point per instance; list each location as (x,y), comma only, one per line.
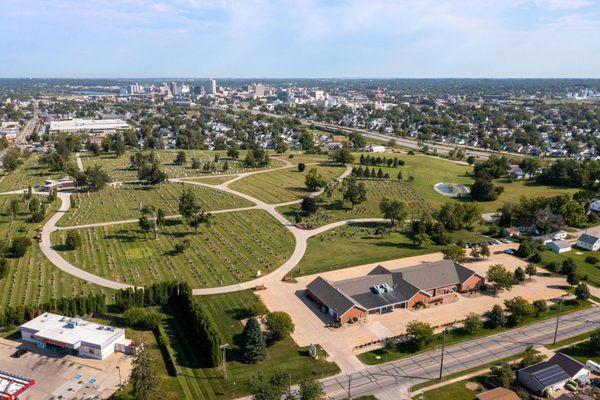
(259,90)
(210,87)
(173,88)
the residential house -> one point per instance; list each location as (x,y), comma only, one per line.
(559,246)
(588,242)
(552,375)
(382,290)
(510,232)
(376,149)
(594,205)
(515,172)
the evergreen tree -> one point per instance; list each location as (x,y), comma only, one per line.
(144,380)
(254,345)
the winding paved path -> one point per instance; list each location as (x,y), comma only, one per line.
(301,236)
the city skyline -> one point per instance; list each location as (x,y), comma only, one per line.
(307,39)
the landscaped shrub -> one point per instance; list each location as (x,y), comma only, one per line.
(591,260)
(142,318)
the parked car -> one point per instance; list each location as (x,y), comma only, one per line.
(509,252)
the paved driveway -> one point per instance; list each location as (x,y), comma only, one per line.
(339,343)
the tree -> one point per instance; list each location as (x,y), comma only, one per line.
(472,323)
(96,178)
(314,180)
(233,152)
(484,190)
(531,270)
(309,205)
(13,208)
(254,345)
(11,159)
(531,166)
(422,240)
(73,240)
(518,308)
(582,292)
(280,324)
(394,210)
(399,176)
(19,246)
(530,357)
(540,306)
(118,145)
(572,279)
(301,167)
(455,253)
(419,334)
(343,155)
(519,275)
(353,191)
(503,374)
(191,210)
(273,388)
(595,341)
(471,160)
(180,159)
(311,389)
(500,277)
(496,316)
(151,173)
(143,377)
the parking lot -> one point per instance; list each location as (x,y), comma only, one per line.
(340,342)
(63,377)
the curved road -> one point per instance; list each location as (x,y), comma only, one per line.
(301,236)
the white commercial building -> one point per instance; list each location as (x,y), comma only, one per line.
(88,125)
(86,339)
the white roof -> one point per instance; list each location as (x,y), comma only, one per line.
(56,327)
(80,124)
(560,244)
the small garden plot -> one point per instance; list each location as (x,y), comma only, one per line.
(358,244)
(119,168)
(227,310)
(30,173)
(578,256)
(32,279)
(283,185)
(333,209)
(113,204)
(230,250)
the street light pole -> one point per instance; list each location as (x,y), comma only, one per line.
(560,302)
(120,383)
(223,347)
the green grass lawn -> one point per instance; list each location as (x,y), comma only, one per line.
(581,352)
(214,179)
(583,268)
(383,355)
(118,168)
(209,383)
(113,204)
(32,279)
(357,244)
(230,250)
(455,391)
(30,173)
(282,185)
(333,209)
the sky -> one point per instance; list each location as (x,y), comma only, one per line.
(300,38)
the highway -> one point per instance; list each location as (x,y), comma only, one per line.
(392,380)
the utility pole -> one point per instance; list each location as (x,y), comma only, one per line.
(443,349)
(120,383)
(223,347)
(560,302)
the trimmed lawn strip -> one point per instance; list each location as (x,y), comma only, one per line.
(583,268)
(208,383)
(32,279)
(357,244)
(453,391)
(283,185)
(566,342)
(230,250)
(458,336)
(581,352)
(114,204)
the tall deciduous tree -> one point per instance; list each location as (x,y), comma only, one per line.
(144,380)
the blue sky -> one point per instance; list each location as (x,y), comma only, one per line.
(300,38)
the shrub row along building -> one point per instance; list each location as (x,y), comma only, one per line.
(383,290)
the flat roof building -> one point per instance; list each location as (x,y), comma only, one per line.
(12,385)
(88,125)
(84,338)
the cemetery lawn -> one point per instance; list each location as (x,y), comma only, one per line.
(208,383)
(118,168)
(32,279)
(213,179)
(230,250)
(113,204)
(283,185)
(30,173)
(583,268)
(357,244)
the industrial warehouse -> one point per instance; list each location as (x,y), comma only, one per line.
(77,336)
(382,290)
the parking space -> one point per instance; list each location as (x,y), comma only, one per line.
(63,377)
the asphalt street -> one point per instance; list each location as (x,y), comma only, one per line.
(397,376)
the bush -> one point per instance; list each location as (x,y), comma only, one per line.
(536,258)
(591,260)
(309,205)
(301,167)
(419,334)
(142,318)
(280,324)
